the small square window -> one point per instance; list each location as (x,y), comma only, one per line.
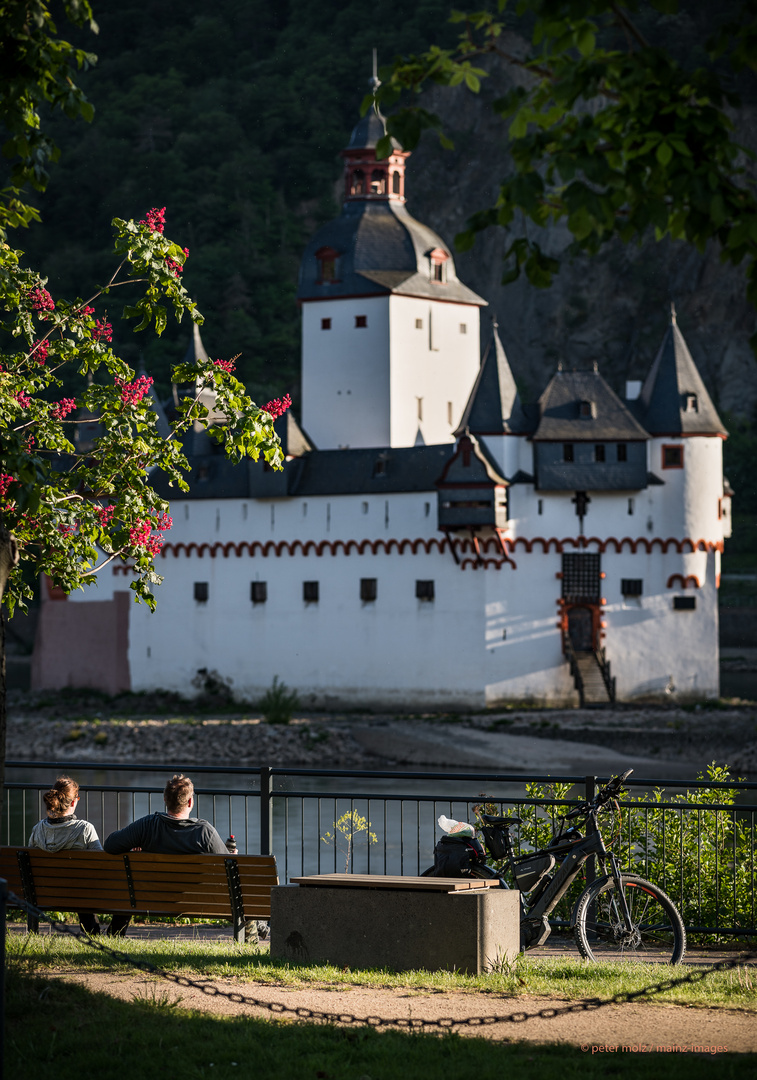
(258,592)
(567,451)
(540,506)
(419,324)
(684,603)
(631,586)
(692,403)
(621,451)
(325,324)
(361,321)
(201,591)
(587,410)
(310,592)
(599,452)
(463,328)
(368,589)
(672,457)
(424,590)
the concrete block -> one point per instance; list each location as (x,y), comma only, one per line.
(393,928)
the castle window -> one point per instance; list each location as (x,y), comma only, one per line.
(599,452)
(201,591)
(692,403)
(378,182)
(358,183)
(361,321)
(587,410)
(395,183)
(258,592)
(419,324)
(310,592)
(437,261)
(449,412)
(368,589)
(684,603)
(420,407)
(328,260)
(672,457)
(325,324)
(630,506)
(540,506)
(365,507)
(424,590)
(567,451)
(631,586)
(621,451)
(581,577)
(463,328)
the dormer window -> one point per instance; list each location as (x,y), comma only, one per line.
(328,266)
(438,265)
(587,410)
(378,182)
(691,403)
(395,183)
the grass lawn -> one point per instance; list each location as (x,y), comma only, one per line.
(55,1029)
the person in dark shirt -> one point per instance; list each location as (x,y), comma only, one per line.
(171,833)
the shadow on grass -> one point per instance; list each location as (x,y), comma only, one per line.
(62,1030)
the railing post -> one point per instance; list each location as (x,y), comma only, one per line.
(266,810)
(3,906)
(591,863)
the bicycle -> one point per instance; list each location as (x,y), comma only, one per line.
(618,916)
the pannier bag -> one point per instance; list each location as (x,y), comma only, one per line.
(530,871)
(455,856)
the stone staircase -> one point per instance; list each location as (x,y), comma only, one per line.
(595,691)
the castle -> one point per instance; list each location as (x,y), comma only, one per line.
(432,542)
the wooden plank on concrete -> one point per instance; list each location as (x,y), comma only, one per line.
(394,881)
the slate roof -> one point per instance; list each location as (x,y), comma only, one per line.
(494,406)
(317,472)
(661,406)
(367,132)
(382,250)
(560,410)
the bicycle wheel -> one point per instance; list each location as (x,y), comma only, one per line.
(657,931)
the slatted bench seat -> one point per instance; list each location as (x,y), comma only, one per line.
(388,921)
(234,887)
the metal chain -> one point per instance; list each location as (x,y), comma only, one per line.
(444,1023)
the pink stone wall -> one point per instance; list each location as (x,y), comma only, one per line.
(83,644)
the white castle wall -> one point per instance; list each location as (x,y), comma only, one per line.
(345,373)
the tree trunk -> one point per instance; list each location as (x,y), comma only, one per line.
(8,559)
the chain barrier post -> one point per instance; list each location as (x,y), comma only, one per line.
(3,913)
(266,810)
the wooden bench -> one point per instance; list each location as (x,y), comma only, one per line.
(234,887)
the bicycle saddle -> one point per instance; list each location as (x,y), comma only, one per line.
(504,822)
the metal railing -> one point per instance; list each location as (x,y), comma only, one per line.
(701,851)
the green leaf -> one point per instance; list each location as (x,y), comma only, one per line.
(664,154)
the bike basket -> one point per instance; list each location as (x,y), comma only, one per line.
(495,841)
(530,871)
(455,856)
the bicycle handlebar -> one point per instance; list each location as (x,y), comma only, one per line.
(609,791)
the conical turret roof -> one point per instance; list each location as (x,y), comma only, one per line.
(674,399)
(494,406)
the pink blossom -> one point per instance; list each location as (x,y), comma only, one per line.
(85,311)
(227,365)
(23,399)
(278,406)
(39,351)
(105,514)
(155,219)
(66,530)
(163,522)
(103,331)
(30,443)
(132,393)
(139,534)
(5,482)
(41,300)
(62,408)
(154,544)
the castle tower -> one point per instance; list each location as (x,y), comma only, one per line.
(686,449)
(390,335)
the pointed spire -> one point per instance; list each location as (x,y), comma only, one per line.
(674,399)
(196,349)
(494,406)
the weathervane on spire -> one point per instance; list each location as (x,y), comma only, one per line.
(672,313)
(375,81)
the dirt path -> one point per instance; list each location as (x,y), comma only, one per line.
(625,1027)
